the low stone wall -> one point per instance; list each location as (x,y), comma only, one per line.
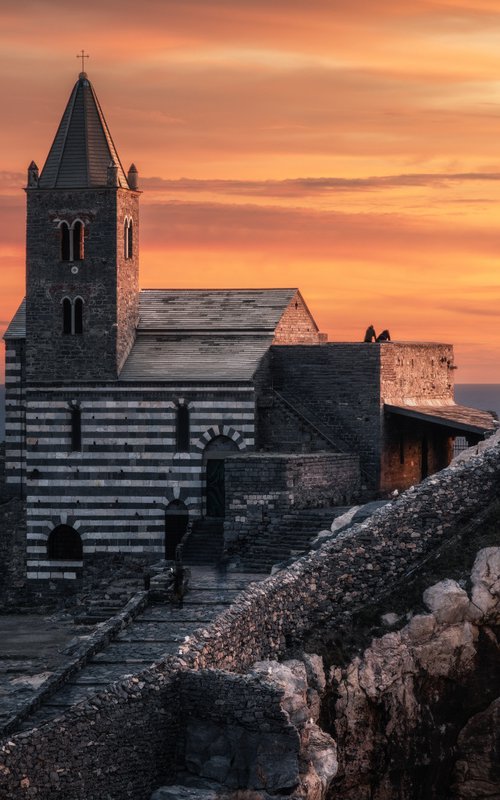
(80,656)
(262,487)
(135,724)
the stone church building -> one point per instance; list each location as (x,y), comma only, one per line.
(130,412)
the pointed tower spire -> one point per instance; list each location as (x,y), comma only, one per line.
(83,147)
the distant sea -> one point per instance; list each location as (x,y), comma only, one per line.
(485,396)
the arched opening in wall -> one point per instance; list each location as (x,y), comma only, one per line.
(64,544)
(77,241)
(65,241)
(130,239)
(67,311)
(182,436)
(78,315)
(176,522)
(125,238)
(213,458)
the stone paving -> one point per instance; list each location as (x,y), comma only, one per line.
(156,632)
(31,648)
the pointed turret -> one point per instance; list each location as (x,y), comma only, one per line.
(83,148)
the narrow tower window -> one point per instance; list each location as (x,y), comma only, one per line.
(65,242)
(76,429)
(182,429)
(130,239)
(78,316)
(72,315)
(77,241)
(67,308)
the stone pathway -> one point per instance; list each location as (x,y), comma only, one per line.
(156,632)
(31,648)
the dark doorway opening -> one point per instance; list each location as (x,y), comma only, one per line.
(215,452)
(64,544)
(176,522)
(425,458)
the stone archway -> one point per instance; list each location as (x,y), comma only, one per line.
(176,522)
(64,544)
(213,459)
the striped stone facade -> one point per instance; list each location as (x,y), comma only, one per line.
(15,453)
(115,491)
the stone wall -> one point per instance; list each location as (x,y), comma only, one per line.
(261,488)
(297,326)
(133,725)
(104,279)
(339,385)
(12,553)
(416,371)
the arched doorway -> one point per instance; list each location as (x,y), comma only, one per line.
(176,522)
(214,454)
(64,544)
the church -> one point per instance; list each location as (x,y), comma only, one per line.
(132,413)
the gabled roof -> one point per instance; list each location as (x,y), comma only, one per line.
(83,148)
(17,325)
(212,309)
(196,358)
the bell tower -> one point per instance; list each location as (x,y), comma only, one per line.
(82,251)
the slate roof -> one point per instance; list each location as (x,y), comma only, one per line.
(455,417)
(83,147)
(212,309)
(17,326)
(196,358)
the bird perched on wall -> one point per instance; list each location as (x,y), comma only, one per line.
(370,335)
(385,336)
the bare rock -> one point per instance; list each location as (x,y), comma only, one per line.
(448,602)
(315,671)
(477,770)
(485,578)
(291,677)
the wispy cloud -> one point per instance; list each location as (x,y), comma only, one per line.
(305,187)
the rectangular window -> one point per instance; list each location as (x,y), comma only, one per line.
(76,429)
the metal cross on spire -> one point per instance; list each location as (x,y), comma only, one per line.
(83,56)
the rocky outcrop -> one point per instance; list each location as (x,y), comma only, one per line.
(477,769)
(401,708)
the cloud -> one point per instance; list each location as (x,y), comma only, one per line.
(305,187)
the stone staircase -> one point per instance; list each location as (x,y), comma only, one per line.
(156,632)
(290,537)
(205,542)
(107,600)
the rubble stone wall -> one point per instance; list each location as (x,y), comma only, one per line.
(260,488)
(121,743)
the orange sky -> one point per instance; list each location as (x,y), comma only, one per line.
(351,149)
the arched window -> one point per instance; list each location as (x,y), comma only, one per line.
(72,315)
(76,429)
(78,315)
(125,238)
(67,309)
(65,242)
(64,544)
(77,241)
(130,239)
(182,429)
